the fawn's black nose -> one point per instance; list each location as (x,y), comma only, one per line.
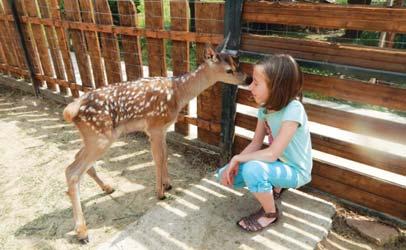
(247,81)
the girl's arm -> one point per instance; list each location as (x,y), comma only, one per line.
(258,139)
(270,154)
(255,145)
(275,150)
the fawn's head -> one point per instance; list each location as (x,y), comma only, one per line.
(225,67)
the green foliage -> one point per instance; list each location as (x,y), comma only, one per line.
(400,41)
(114,9)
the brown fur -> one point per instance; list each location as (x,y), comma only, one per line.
(71,111)
(150,105)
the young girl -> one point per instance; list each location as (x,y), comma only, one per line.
(287,162)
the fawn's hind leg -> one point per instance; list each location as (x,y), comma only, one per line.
(92,151)
(73,174)
(105,187)
(92,173)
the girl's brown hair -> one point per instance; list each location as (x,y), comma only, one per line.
(284,80)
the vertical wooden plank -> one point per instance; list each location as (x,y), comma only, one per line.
(6,38)
(17,50)
(156,47)
(63,46)
(209,19)
(30,43)
(3,60)
(390,36)
(131,44)
(2,55)
(180,50)
(72,13)
(92,41)
(110,49)
(40,41)
(53,43)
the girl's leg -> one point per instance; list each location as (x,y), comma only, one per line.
(266,200)
(261,177)
(264,176)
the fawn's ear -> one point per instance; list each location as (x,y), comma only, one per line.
(233,61)
(209,54)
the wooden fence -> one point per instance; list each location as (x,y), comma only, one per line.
(332,172)
(79,48)
(82,35)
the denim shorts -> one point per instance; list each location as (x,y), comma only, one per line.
(260,176)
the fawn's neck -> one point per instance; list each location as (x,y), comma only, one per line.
(192,84)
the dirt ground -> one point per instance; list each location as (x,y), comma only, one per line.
(341,236)
(35,147)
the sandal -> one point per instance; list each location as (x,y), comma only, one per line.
(252,224)
(277,195)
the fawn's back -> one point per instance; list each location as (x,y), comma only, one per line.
(130,105)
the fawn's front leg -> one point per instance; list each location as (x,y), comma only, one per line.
(158,148)
(165,174)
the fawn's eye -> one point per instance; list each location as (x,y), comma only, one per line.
(229,71)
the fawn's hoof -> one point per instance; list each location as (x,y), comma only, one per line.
(108,189)
(81,232)
(160,196)
(84,241)
(167,187)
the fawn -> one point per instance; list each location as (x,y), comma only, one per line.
(147,104)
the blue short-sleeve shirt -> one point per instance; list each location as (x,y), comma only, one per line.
(298,153)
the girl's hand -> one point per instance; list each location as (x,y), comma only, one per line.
(231,171)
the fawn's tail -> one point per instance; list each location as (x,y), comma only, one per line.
(71,111)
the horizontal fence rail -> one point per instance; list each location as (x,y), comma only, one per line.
(362,56)
(327,16)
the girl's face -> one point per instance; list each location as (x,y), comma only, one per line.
(258,87)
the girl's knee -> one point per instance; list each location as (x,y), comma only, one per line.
(256,176)
(254,171)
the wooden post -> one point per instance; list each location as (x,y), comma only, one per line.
(383,36)
(209,19)
(6,38)
(63,46)
(41,43)
(110,49)
(25,42)
(390,36)
(156,47)
(92,41)
(5,51)
(72,13)
(131,45)
(53,43)
(2,55)
(14,37)
(232,32)
(180,50)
